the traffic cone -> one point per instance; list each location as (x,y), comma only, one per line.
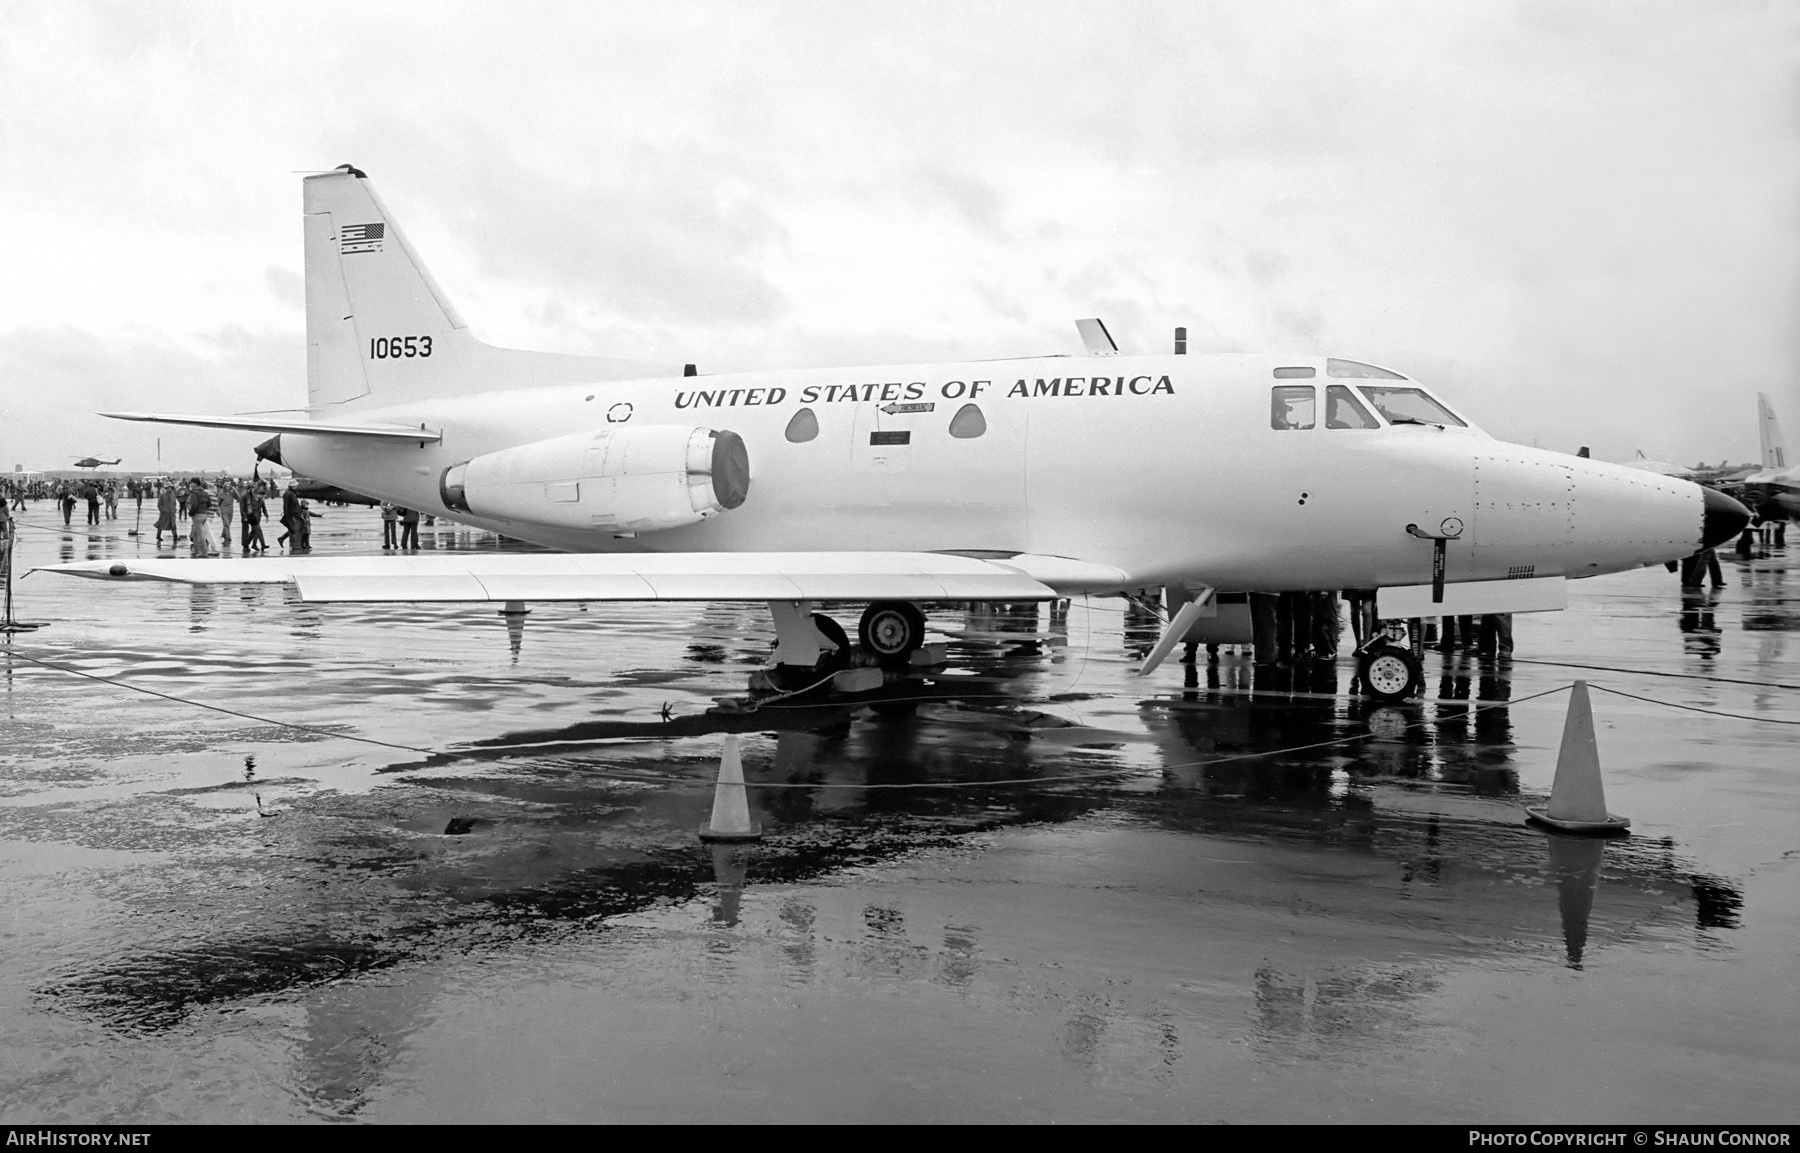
(1577,796)
(731,807)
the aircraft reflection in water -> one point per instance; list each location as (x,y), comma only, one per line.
(1419,819)
(1365,798)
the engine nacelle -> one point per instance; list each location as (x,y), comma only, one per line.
(642,478)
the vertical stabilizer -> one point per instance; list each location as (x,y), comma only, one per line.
(379,330)
(1768,434)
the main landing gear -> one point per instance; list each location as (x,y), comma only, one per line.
(891,631)
(809,645)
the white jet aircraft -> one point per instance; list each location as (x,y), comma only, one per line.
(996,480)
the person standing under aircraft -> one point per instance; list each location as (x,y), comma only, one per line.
(1326,625)
(390,517)
(409,529)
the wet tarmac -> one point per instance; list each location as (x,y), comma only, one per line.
(1033,887)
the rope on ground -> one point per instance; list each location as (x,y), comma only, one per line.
(62,668)
(1098,774)
(1695,708)
(1660,673)
(1354,738)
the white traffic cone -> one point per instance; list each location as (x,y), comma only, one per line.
(1577,797)
(731,807)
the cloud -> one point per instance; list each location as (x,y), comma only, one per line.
(1575,214)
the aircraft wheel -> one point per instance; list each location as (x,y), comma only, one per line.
(1390,673)
(891,630)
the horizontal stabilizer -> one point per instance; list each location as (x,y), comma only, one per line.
(765,576)
(309,427)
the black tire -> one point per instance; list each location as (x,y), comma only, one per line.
(1390,673)
(834,635)
(891,630)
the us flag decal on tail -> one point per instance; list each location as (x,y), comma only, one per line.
(361,238)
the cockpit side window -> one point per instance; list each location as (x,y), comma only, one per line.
(1292,406)
(1343,410)
(1409,406)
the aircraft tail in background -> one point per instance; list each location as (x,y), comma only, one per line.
(379,330)
(1768,435)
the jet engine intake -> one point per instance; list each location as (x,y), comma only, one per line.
(643,478)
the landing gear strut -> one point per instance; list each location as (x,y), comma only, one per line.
(833,632)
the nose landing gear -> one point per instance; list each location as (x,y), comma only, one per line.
(1390,672)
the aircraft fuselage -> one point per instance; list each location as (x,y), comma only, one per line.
(1170,468)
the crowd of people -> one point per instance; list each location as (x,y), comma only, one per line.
(198,510)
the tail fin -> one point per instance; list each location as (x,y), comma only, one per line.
(379,330)
(1768,432)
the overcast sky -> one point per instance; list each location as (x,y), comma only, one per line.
(1579,220)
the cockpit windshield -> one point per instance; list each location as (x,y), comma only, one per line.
(1409,406)
(1343,410)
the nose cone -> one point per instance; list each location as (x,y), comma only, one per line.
(1722,518)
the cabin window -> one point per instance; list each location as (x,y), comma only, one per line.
(1358,371)
(968,423)
(1343,410)
(1298,372)
(803,427)
(1291,406)
(1409,406)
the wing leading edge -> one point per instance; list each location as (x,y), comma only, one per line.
(745,576)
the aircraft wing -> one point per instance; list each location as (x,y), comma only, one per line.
(264,424)
(736,576)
